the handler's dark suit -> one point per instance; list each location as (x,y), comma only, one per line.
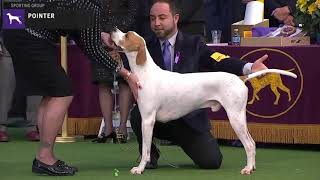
(191,132)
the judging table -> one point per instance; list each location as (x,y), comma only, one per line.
(283,110)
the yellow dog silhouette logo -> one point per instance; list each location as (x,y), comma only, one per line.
(273,92)
(275,82)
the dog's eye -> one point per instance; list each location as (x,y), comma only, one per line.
(126,36)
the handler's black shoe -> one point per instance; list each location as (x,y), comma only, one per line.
(73,168)
(152,164)
(57,169)
(154,156)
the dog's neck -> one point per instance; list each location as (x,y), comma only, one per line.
(147,67)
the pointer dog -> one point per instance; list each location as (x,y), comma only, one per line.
(12,17)
(169,95)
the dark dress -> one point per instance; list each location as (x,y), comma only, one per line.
(35,56)
(119,13)
(36,65)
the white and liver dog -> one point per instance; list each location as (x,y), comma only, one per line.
(169,95)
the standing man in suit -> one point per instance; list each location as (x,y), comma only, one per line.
(221,14)
(188,54)
(192,18)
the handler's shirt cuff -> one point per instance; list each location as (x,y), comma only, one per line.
(247,68)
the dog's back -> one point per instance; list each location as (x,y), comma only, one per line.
(175,95)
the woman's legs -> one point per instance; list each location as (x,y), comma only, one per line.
(106,99)
(125,103)
(51,113)
(106,105)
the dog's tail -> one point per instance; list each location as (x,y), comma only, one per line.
(290,70)
(259,73)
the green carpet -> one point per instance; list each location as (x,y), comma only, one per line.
(98,161)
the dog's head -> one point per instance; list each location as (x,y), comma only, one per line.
(131,42)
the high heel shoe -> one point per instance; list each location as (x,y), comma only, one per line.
(104,138)
(121,137)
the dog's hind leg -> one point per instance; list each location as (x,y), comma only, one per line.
(239,125)
(254,96)
(147,125)
(235,108)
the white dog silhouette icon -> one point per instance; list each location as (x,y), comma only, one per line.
(16,18)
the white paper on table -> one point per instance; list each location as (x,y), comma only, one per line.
(217,44)
(298,30)
(254,13)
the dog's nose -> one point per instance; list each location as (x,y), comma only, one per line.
(114,29)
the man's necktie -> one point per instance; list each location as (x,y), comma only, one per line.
(166,54)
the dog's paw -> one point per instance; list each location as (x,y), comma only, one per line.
(136,170)
(247,170)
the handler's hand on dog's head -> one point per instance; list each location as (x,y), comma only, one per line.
(106,39)
(258,64)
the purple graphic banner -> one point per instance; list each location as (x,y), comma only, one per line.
(281,99)
(278,99)
(21,14)
(13,18)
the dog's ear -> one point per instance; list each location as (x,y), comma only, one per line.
(141,56)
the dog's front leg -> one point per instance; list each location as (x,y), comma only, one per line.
(147,124)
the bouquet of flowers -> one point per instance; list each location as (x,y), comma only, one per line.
(308,15)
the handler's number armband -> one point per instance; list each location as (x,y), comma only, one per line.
(218,56)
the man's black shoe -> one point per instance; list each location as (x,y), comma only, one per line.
(154,156)
(152,164)
(164,142)
(57,169)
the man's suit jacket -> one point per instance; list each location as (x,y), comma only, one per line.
(194,57)
(220,14)
(192,16)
